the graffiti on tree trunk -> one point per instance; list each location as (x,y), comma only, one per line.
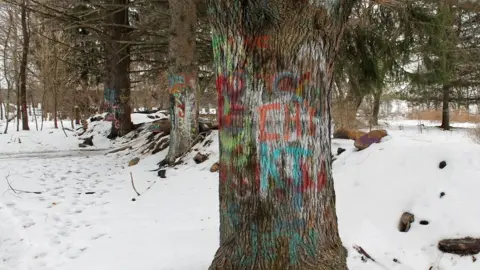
(111,105)
(283,124)
(181,88)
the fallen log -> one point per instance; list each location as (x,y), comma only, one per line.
(461,246)
(120,149)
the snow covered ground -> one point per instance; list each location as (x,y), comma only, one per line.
(84,216)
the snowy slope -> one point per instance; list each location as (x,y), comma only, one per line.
(174,223)
(374,187)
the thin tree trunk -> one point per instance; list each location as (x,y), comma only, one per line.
(34,113)
(23,66)
(7,110)
(277,198)
(77,115)
(5,72)
(182,80)
(44,115)
(118,66)
(445,110)
(446,67)
(55,108)
(19,115)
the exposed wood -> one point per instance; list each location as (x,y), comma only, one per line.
(462,246)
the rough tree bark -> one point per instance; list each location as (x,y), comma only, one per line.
(182,77)
(445,109)
(1,107)
(5,69)
(346,111)
(55,106)
(376,107)
(23,66)
(117,83)
(446,58)
(274,62)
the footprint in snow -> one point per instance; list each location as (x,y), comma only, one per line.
(40,255)
(10,204)
(28,224)
(55,241)
(98,236)
(74,253)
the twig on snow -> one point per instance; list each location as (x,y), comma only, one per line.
(119,149)
(16,191)
(64,132)
(133,185)
(8,182)
(363,252)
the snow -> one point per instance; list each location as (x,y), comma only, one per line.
(174,223)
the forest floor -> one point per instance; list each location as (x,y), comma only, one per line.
(82,216)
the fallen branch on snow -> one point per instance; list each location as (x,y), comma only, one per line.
(133,185)
(119,149)
(64,132)
(16,191)
(364,253)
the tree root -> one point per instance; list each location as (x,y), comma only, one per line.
(228,257)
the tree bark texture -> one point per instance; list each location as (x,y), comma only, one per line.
(182,77)
(445,109)
(23,66)
(117,83)
(274,63)
(345,111)
(55,107)
(77,115)
(446,57)
(376,107)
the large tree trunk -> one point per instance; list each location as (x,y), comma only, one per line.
(445,111)
(118,65)
(182,80)
(345,111)
(376,107)
(277,198)
(23,66)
